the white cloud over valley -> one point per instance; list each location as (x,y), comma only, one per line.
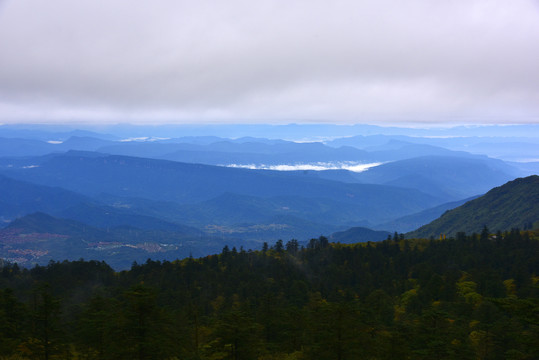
(318,166)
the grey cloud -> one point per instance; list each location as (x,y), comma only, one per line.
(270,60)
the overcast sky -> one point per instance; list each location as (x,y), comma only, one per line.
(378,62)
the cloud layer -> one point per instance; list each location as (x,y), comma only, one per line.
(469,61)
(319,166)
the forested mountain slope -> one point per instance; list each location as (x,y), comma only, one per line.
(512,205)
(469,298)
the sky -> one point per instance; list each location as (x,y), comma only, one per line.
(303,61)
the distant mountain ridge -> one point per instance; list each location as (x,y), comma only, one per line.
(512,205)
(19,198)
(358,234)
(92,174)
(414,221)
(453,178)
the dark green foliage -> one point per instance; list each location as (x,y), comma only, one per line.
(13,322)
(465,298)
(46,328)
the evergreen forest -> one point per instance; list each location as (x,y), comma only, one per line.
(468,297)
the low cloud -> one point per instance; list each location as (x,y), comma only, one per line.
(319,166)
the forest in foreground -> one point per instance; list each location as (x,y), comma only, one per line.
(469,297)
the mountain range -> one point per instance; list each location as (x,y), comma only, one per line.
(93,174)
(176,196)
